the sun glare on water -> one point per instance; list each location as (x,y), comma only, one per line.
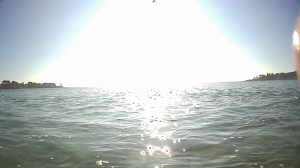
(137,43)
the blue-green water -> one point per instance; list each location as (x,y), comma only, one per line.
(242,124)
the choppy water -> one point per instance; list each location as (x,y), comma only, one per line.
(243,124)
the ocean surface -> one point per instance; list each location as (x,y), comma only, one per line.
(240,125)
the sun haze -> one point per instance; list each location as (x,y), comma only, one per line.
(137,43)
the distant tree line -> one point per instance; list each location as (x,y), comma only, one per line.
(6,84)
(276,76)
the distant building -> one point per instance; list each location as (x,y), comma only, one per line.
(49,85)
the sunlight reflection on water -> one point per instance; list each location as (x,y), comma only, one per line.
(156,122)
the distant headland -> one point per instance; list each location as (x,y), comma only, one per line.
(6,84)
(277,76)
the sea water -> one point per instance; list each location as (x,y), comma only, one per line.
(240,124)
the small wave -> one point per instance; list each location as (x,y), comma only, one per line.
(22,101)
(251,126)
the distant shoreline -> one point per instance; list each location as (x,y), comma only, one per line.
(29,88)
(277,76)
(6,84)
(268,80)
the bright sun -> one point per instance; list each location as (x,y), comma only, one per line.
(134,43)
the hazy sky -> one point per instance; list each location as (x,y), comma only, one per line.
(137,42)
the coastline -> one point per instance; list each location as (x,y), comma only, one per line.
(6,84)
(276,76)
(250,80)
